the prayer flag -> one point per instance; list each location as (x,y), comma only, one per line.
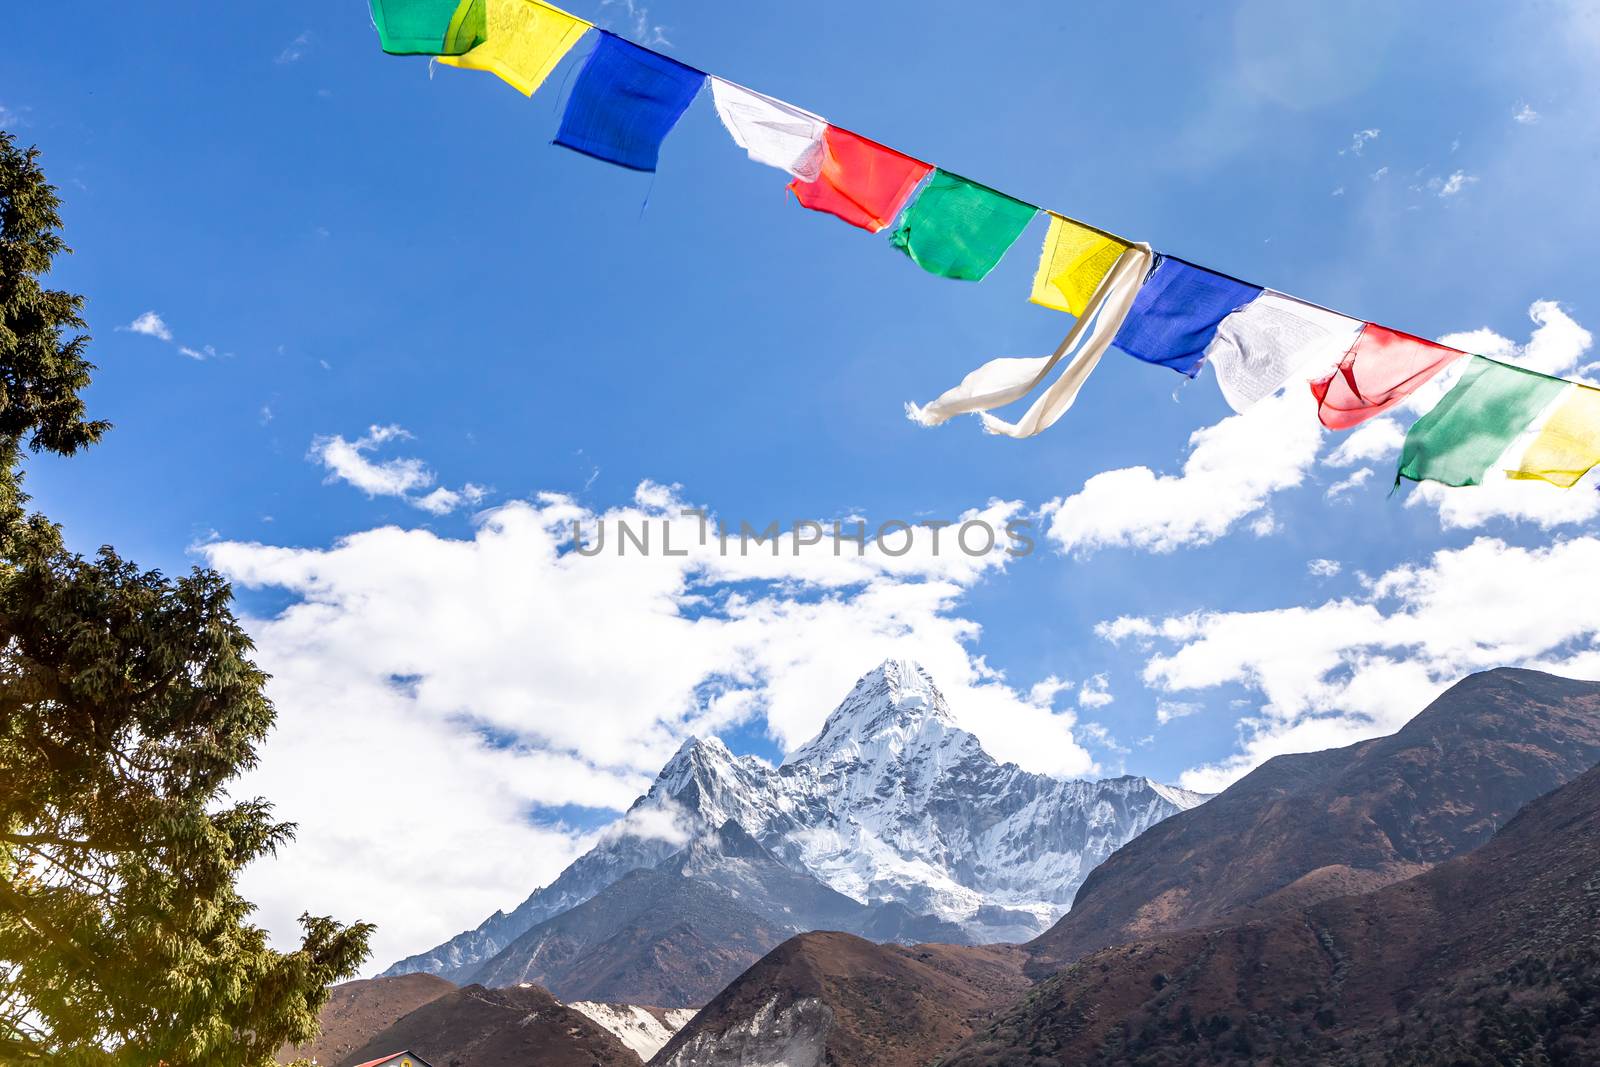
(1568,444)
(526,39)
(625,102)
(957,228)
(771,131)
(1177,312)
(1381,369)
(862,182)
(1002,381)
(429,27)
(1271,339)
(1476,422)
(1071,264)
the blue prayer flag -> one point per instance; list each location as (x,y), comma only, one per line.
(626,101)
(1177,312)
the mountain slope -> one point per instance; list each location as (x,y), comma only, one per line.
(478,1027)
(644,1030)
(676,934)
(357,1010)
(1491,958)
(830,998)
(891,803)
(1303,828)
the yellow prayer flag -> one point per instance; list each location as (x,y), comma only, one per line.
(1569,444)
(1074,260)
(526,40)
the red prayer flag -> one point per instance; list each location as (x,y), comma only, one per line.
(1381,369)
(862,182)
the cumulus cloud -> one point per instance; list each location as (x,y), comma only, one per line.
(1095,693)
(1168,710)
(1453,185)
(1324,568)
(1232,469)
(434,693)
(1377,438)
(1358,667)
(1525,115)
(403,477)
(1357,478)
(151,325)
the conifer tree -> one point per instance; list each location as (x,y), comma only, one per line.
(128,704)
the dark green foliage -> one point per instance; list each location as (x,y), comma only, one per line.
(128,703)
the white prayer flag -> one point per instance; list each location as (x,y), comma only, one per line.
(772,132)
(1270,340)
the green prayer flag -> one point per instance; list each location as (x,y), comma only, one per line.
(1459,440)
(430,27)
(959,229)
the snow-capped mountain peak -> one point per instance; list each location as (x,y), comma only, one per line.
(890,802)
(893,708)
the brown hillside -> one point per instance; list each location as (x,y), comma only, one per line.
(357,1010)
(478,1027)
(1492,958)
(1305,828)
(837,999)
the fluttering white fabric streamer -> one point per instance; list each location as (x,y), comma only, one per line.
(1270,340)
(1002,381)
(771,131)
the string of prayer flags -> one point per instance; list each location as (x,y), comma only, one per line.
(861,181)
(1071,264)
(956,228)
(429,27)
(769,130)
(1381,369)
(1177,313)
(526,39)
(1270,340)
(1501,417)
(1002,381)
(625,102)
(1157,308)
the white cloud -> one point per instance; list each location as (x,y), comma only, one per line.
(402,477)
(1044,692)
(1095,693)
(347,461)
(1453,185)
(203,353)
(1168,710)
(296,49)
(1233,468)
(1338,190)
(1359,667)
(1374,439)
(431,690)
(1359,141)
(1525,115)
(1324,568)
(442,501)
(1379,174)
(1358,477)
(151,325)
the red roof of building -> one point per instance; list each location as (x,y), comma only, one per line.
(418,1061)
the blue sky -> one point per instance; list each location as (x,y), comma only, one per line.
(349,242)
